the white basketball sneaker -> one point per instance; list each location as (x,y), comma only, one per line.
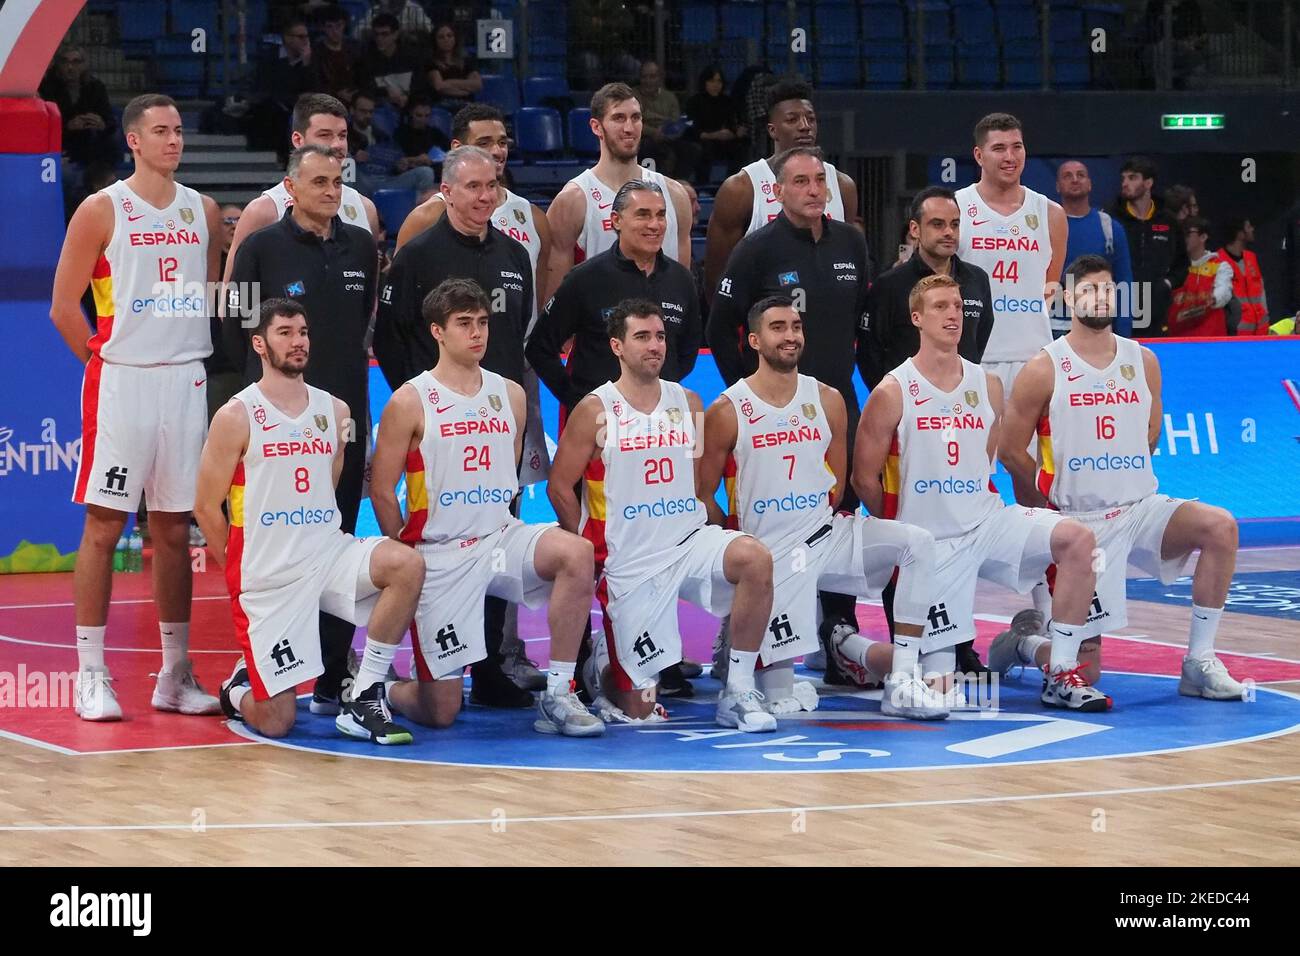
(93,697)
(179,692)
(564,714)
(1209,679)
(744,711)
(802,696)
(906,695)
(1068,690)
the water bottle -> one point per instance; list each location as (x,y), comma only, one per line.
(119,554)
(135,552)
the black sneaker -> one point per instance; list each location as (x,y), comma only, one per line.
(490,687)
(969,663)
(672,683)
(367,717)
(834,673)
(691,669)
(237,676)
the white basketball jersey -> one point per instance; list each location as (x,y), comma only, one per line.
(638,500)
(1015,251)
(351,209)
(1092,443)
(937,473)
(779,482)
(766,205)
(597,228)
(282,505)
(461,481)
(150,284)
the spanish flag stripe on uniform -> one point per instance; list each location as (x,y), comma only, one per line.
(417,499)
(593,529)
(891,480)
(1047,465)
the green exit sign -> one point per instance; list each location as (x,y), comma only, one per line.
(1191,121)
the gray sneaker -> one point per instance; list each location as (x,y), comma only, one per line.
(565,714)
(522,672)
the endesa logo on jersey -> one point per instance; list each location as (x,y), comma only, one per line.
(662,508)
(479,495)
(789,436)
(1006,303)
(289,449)
(181,238)
(297,517)
(792,502)
(950,486)
(1120,396)
(1108,463)
(180,305)
(475,426)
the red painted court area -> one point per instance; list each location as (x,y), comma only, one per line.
(36,633)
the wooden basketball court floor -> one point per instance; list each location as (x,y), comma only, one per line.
(165,789)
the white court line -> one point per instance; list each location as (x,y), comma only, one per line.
(132,650)
(10,735)
(145,750)
(629,817)
(21,607)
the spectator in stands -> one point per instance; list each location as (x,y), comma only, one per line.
(393,72)
(1197,306)
(417,137)
(1155,245)
(1188,44)
(283,76)
(452,75)
(380,159)
(1180,202)
(410,16)
(89,130)
(230,214)
(661,126)
(715,125)
(224,378)
(338,58)
(604,34)
(1092,232)
(1247,281)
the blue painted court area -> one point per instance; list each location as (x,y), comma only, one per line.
(846,733)
(1266,593)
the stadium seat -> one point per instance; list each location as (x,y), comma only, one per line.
(838,72)
(550,67)
(538,136)
(937,22)
(1017,21)
(938,66)
(973,23)
(393,206)
(141,21)
(440,119)
(886,72)
(699,23)
(547,47)
(539,89)
(837,26)
(548,20)
(500,92)
(1024,74)
(978,71)
(742,21)
(581,139)
(883,20)
(1070,73)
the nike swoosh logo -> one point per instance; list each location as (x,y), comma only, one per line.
(1200,617)
(267,428)
(1073,377)
(199,382)
(627,421)
(773,200)
(444,408)
(134,218)
(735,660)
(760,417)
(921,401)
(606,206)
(978,222)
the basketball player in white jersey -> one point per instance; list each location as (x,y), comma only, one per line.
(148,247)
(456,432)
(274,455)
(1094,399)
(580,215)
(321,119)
(779,438)
(1018,237)
(924,452)
(747,200)
(633,445)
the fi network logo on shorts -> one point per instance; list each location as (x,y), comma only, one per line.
(77,909)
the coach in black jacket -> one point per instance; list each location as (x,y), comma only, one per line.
(891,338)
(461,244)
(635,267)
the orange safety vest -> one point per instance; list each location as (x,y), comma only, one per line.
(1189,299)
(1248,287)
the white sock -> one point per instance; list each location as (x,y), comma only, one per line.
(1042,600)
(237,694)
(558,676)
(90,646)
(1065,645)
(740,671)
(854,646)
(907,651)
(939,663)
(374,666)
(776,681)
(175,644)
(1205,624)
(1028,648)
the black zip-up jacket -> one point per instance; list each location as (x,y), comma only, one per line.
(891,336)
(579,307)
(403,344)
(781,259)
(1159,255)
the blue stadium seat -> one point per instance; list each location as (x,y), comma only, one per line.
(938,22)
(1066,26)
(190,15)
(1017,21)
(142,20)
(883,20)
(742,21)
(581,139)
(838,72)
(777,14)
(977,71)
(938,66)
(538,89)
(885,72)
(440,119)
(706,209)
(547,46)
(550,67)
(393,206)
(699,23)
(1024,74)
(548,20)
(538,136)
(1070,73)
(386,119)
(973,23)
(500,92)
(837,26)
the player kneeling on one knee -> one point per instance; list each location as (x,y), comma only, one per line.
(632,446)
(274,454)
(456,434)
